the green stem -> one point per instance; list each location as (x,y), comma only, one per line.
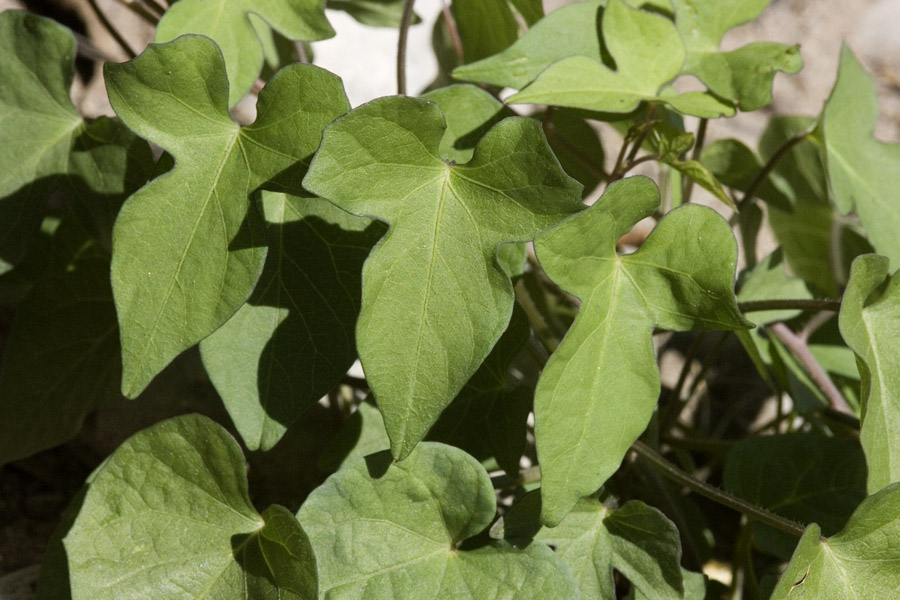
(111,29)
(760,305)
(405,20)
(770,166)
(715,494)
(695,155)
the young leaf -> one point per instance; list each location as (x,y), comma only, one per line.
(187,252)
(823,482)
(227,22)
(62,358)
(870,324)
(293,340)
(744,75)
(592,540)
(648,53)
(168,516)
(385,529)
(862,561)
(598,390)
(435,299)
(862,172)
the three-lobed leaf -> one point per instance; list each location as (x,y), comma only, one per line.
(435,299)
(188,248)
(385,529)
(228,23)
(870,324)
(168,515)
(597,392)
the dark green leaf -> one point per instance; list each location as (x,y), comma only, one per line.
(363,433)
(485,27)
(736,166)
(769,281)
(168,516)
(385,529)
(598,390)
(435,299)
(187,252)
(377,13)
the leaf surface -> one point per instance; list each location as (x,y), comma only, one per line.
(598,390)
(862,561)
(227,22)
(187,251)
(435,299)
(592,540)
(870,324)
(485,27)
(863,173)
(168,516)
(294,338)
(385,529)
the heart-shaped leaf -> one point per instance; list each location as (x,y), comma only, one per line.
(870,324)
(187,252)
(598,390)
(384,529)
(168,516)
(228,23)
(435,299)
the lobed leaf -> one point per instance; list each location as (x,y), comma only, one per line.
(187,252)
(168,516)
(598,390)
(386,529)
(228,24)
(435,299)
(870,324)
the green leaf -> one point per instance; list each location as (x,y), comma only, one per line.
(363,433)
(862,561)
(769,281)
(577,145)
(736,166)
(598,390)
(870,324)
(293,340)
(488,418)
(701,174)
(823,482)
(648,54)
(62,357)
(228,23)
(744,75)
(569,31)
(168,516)
(376,13)
(531,10)
(470,113)
(485,27)
(383,529)
(862,172)
(592,540)
(187,252)
(435,299)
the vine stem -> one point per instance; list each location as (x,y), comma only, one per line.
(111,29)
(760,305)
(770,166)
(713,493)
(452,30)
(405,20)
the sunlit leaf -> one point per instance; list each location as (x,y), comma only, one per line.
(598,390)
(168,515)
(186,249)
(435,299)
(385,529)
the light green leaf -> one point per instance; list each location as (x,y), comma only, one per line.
(435,299)
(62,358)
(862,561)
(383,529)
(823,481)
(569,31)
(862,172)
(293,340)
(592,540)
(769,281)
(744,75)
(186,250)
(485,27)
(870,324)
(168,516)
(648,54)
(227,22)
(470,113)
(701,174)
(598,390)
